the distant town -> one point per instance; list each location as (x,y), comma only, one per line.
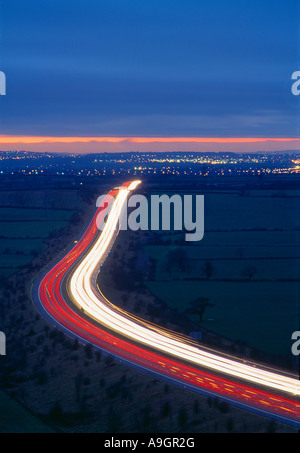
(149,164)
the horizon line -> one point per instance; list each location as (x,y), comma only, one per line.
(31,139)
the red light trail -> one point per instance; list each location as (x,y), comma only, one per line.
(67,297)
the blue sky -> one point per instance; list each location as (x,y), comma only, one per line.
(149,68)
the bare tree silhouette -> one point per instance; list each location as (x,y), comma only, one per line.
(208,269)
(249,272)
(198,306)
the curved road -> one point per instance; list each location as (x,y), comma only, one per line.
(68,297)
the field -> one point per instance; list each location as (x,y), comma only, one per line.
(15,419)
(252,245)
(27,218)
(75,389)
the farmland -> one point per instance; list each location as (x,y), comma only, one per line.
(252,245)
(27,219)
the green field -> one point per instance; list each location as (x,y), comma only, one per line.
(7,261)
(15,246)
(261,231)
(22,232)
(24,214)
(264,316)
(7,272)
(38,229)
(257,209)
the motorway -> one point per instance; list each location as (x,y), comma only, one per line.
(68,297)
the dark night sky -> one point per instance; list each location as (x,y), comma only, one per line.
(149,68)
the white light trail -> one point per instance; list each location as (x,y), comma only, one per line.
(82,293)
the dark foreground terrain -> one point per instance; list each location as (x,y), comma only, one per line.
(62,385)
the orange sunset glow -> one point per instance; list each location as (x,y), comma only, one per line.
(83,145)
(16,139)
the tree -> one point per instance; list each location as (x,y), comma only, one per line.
(240,253)
(208,269)
(182,417)
(177,258)
(88,351)
(166,410)
(229,424)
(34,253)
(56,412)
(198,306)
(249,272)
(78,383)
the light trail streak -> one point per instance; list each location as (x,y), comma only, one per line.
(83,295)
(51,294)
